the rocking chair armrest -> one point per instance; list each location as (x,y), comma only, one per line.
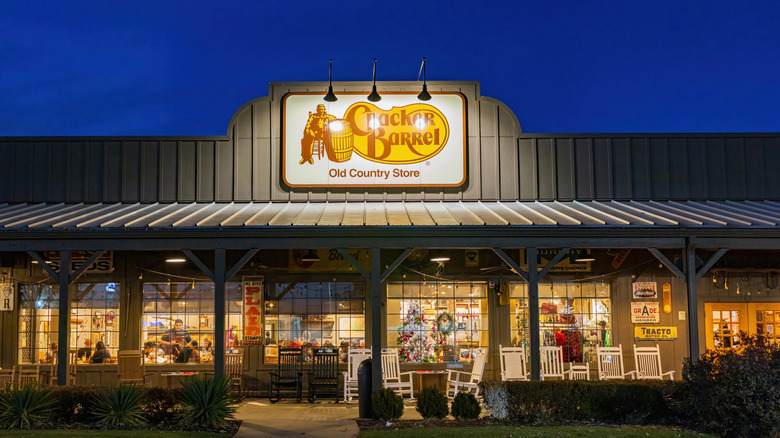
(409,373)
(457,374)
(632,374)
(668,373)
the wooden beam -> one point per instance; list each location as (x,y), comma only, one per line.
(512,264)
(74,276)
(669,265)
(395,264)
(710,263)
(344,253)
(558,257)
(52,273)
(199,263)
(240,264)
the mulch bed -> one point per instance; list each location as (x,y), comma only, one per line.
(431,422)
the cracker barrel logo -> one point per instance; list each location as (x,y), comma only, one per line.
(401,135)
(398,142)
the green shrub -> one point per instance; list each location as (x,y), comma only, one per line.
(387,405)
(26,407)
(206,403)
(432,403)
(495,399)
(120,407)
(160,405)
(603,401)
(75,404)
(733,392)
(465,406)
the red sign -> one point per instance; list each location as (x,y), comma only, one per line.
(254,326)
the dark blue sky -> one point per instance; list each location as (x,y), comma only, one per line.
(184,67)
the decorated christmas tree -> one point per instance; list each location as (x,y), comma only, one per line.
(418,336)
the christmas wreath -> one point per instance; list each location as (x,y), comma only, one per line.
(445,323)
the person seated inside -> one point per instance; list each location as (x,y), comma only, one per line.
(85,352)
(100,353)
(195,356)
(170,341)
(51,355)
(188,352)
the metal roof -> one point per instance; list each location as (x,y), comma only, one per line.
(171,216)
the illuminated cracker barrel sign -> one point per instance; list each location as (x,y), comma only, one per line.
(398,141)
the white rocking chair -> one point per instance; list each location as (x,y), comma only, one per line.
(355,356)
(392,375)
(610,361)
(463,381)
(648,364)
(513,364)
(551,362)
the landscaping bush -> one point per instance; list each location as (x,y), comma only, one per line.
(160,405)
(120,407)
(387,405)
(495,399)
(432,403)
(465,406)
(26,407)
(733,392)
(75,404)
(206,403)
(563,401)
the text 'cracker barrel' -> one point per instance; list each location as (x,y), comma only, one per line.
(340,141)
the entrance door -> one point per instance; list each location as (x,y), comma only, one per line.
(725,320)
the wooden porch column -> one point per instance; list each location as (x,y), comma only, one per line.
(219,311)
(63,328)
(693,314)
(376,319)
(533,311)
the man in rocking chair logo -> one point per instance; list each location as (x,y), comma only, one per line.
(316,130)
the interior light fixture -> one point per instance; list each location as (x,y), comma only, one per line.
(175,260)
(374,96)
(585,258)
(424,95)
(330,97)
(310,256)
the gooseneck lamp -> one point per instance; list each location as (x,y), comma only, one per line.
(330,97)
(374,96)
(424,95)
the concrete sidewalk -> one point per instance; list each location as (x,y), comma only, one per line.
(322,419)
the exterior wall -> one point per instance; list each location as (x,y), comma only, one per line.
(503,164)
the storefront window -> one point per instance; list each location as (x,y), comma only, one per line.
(312,314)
(725,328)
(576,316)
(94,317)
(437,321)
(177,314)
(38,320)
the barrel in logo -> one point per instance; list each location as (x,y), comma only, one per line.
(340,141)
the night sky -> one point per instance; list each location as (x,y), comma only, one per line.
(184,67)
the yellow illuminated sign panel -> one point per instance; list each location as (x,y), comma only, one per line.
(655,333)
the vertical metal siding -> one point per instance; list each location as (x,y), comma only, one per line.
(112,186)
(640,168)
(59,171)
(150,171)
(602,168)
(583,173)
(716,168)
(205,172)
(131,172)
(658,162)
(736,180)
(188,171)
(565,177)
(772,167)
(41,171)
(546,168)
(77,156)
(169,175)
(96,168)
(697,168)
(621,168)
(678,168)
(754,166)
(23,170)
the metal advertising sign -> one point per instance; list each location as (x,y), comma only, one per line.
(645,289)
(7,297)
(568,264)
(252,306)
(655,333)
(104,263)
(326,260)
(399,141)
(644,312)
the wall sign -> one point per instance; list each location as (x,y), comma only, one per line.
(398,141)
(104,263)
(645,289)
(567,264)
(655,333)
(7,296)
(330,260)
(644,312)
(252,306)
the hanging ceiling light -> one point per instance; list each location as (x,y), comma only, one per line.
(330,97)
(175,260)
(310,256)
(374,96)
(424,95)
